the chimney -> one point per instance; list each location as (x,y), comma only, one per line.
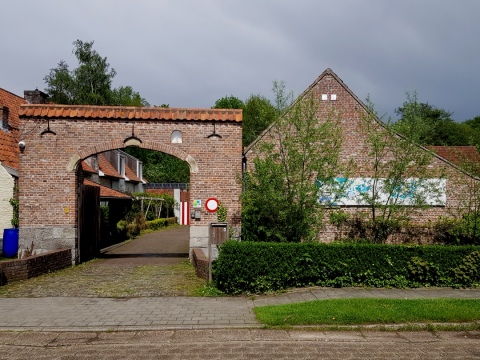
(35,96)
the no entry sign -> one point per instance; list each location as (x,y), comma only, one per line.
(211,204)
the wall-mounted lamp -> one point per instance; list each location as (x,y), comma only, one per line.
(22,145)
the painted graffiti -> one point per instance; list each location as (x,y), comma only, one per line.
(365,191)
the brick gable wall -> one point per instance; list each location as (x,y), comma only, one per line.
(355,147)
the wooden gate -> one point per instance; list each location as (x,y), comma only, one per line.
(88,222)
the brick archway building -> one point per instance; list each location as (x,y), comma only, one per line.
(58,137)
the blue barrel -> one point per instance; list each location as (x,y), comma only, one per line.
(10,242)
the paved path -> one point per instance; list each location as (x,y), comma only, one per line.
(149,313)
(165,247)
(179,327)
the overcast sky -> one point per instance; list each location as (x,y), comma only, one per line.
(189,53)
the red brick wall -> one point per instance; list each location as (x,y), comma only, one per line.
(48,185)
(200,262)
(22,269)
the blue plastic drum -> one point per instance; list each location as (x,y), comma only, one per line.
(10,242)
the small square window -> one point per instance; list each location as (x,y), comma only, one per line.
(324,97)
(333,97)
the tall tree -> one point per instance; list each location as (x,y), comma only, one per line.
(400,173)
(258,114)
(428,125)
(126,96)
(160,167)
(229,102)
(90,83)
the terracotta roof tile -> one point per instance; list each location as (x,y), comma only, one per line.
(458,155)
(107,168)
(106,192)
(88,168)
(131,175)
(9,137)
(119,112)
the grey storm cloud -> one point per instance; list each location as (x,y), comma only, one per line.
(189,53)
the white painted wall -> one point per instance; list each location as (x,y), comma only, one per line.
(6,192)
(176,197)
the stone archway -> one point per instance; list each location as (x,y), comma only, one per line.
(58,137)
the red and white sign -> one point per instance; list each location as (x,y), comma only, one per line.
(211,205)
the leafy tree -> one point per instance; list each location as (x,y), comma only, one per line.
(160,167)
(126,96)
(280,202)
(394,162)
(258,114)
(90,83)
(229,102)
(472,127)
(427,125)
(473,123)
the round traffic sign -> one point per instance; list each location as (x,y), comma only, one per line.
(211,204)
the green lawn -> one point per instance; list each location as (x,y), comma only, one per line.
(370,311)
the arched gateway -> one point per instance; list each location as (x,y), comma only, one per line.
(57,137)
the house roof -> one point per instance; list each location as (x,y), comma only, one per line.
(9,137)
(441,155)
(327,72)
(131,175)
(106,192)
(87,168)
(458,155)
(128,112)
(107,168)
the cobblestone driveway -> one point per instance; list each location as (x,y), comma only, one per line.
(154,264)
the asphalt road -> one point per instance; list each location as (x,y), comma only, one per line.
(239,344)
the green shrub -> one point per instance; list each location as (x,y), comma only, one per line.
(160,223)
(136,225)
(104,213)
(14,220)
(122,226)
(221,213)
(459,231)
(256,267)
(467,273)
(338,218)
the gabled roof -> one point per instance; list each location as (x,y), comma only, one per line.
(9,138)
(442,156)
(128,112)
(131,175)
(88,168)
(107,168)
(106,192)
(327,72)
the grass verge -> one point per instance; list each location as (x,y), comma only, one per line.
(351,312)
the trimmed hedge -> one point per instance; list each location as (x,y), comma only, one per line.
(160,223)
(255,267)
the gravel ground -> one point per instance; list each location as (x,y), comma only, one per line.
(154,264)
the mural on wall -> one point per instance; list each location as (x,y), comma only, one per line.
(360,192)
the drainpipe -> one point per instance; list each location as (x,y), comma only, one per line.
(244,169)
